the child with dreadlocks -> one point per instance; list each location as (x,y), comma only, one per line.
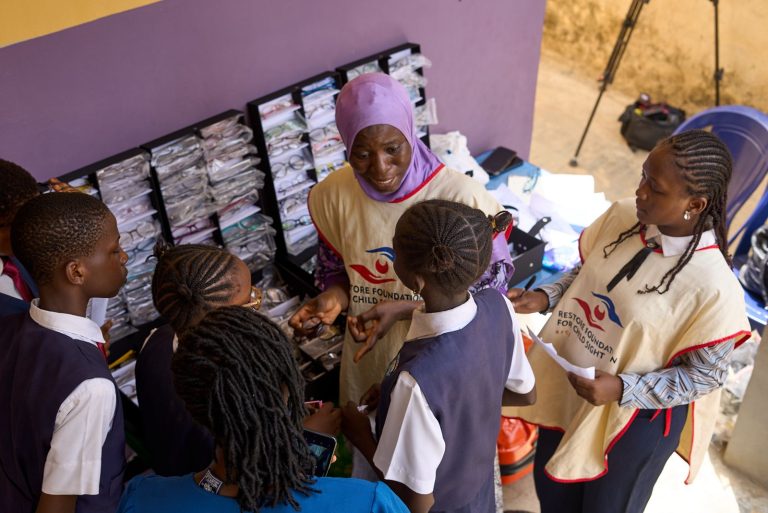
(235,372)
(437,418)
(189,281)
(657,311)
(62,444)
(17,288)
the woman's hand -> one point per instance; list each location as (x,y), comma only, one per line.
(356,426)
(528,301)
(372,324)
(326,420)
(321,309)
(605,388)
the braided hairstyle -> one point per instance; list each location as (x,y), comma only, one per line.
(52,229)
(233,370)
(705,165)
(191,280)
(450,241)
(17,187)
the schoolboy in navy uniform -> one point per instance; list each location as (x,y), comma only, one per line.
(17,288)
(61,432)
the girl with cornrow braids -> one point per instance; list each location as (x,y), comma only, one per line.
(656,310)
(235,372)
(437,409)
(190,281)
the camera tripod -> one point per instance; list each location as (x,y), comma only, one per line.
(627,27)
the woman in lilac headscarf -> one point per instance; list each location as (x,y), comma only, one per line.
(355,210)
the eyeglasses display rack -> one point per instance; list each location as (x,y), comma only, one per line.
(295,130)
(406,64)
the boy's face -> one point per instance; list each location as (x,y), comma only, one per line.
(106,270)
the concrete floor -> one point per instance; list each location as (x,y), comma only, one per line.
(564,100)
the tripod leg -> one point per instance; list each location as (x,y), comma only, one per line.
(718,70)
(613,64)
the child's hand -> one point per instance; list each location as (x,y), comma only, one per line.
(370,398)
(528,301)
(605,388)
(326,420)
(372,324)
(355,425)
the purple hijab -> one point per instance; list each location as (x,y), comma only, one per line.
(378,99)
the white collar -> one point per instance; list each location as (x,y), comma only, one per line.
(73,326)
(675,246)
(425,325)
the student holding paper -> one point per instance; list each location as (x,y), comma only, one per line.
(655,308)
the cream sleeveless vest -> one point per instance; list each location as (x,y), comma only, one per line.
(360,230)
(625,332)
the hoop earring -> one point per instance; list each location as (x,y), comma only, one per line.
(687,216)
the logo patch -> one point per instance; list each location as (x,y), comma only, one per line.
(381,267)
(594,315)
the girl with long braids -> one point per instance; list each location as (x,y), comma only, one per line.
(655,308)
(236,375)
(437,417)
(189,281)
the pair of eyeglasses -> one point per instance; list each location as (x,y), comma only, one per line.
(294,204)
(370,67)
(317,109)
(295,162)
(272,108)
(290,224)
(254,300)
(285,145)
(200,224)
(294,186)
(142,231)
(327,83)
(325,133)
(288,129)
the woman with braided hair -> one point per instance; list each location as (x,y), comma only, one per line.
(235,372)
(437,417)
(190,281)
(656,310)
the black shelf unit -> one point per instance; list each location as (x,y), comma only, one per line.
(290,262)
(382,61)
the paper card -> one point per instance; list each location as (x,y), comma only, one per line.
(588,372)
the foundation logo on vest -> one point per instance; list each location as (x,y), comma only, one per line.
(596,314)
(384,256)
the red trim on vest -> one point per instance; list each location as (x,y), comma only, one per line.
(319,232)
(744,336)
(417,189)
(605,457)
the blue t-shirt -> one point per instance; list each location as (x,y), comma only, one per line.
(156,494)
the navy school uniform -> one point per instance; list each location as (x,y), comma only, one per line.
(177,444)
(39,368)
(10,305)
(462,375)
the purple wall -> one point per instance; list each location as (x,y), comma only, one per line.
(83,94)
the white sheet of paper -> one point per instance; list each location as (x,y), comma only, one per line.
(588,372)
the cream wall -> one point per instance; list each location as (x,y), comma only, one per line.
(671,52)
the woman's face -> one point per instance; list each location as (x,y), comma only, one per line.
(662,197)
(381,155)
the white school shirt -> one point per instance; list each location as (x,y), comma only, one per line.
(6,283)
(73,464)
(411,445)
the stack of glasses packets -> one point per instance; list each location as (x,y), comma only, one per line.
(234,184)
(183,178)
(126,190)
